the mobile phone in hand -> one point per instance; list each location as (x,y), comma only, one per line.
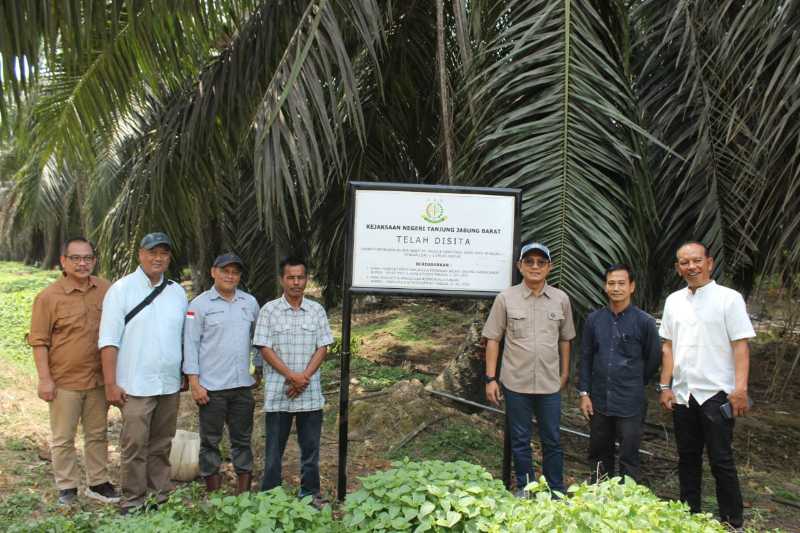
(727,411)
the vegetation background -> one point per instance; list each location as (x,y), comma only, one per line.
(630,126)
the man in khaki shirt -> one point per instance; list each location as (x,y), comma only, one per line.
(63,335)
(536,321)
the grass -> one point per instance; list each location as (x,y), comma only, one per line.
(457,441)
(18,287)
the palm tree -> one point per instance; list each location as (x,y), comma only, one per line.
(629,126)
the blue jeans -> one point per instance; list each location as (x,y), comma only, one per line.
(309,430)
(520,409)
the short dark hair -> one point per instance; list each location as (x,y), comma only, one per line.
(66,243)
(291,260)
(621,266)
(689,243)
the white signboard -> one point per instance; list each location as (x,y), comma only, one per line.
(433,240)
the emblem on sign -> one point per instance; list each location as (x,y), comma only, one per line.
(434,212)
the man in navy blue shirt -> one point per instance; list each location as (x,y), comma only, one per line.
(621,350)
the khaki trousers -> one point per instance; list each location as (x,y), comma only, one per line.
(89,407)
(148,426)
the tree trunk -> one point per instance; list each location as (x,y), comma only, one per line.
(463,376)
(441,62)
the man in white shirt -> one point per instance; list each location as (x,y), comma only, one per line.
(140,348)
(705,364)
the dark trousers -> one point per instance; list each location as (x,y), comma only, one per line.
(520,409)
(605,430)
(233,407)
(309,430)
(697,426)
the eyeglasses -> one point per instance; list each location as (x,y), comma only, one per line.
(77,259)
(535,262)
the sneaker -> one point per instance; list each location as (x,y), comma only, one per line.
(67,496)
(104,492)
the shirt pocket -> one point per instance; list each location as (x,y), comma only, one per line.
(519,324)
(69,316)
(631,346)
(214,320)
(552,324)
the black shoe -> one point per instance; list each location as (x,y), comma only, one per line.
(104,492)
(67,496)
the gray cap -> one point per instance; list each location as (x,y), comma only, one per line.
(151,240)
(228,259)
(535,247)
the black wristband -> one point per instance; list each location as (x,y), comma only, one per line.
(489,379)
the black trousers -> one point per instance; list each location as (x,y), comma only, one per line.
(235,408)
(605,430)
(698,426)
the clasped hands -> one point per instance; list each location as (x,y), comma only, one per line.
(296,384)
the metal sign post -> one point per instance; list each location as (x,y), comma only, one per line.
(388,251)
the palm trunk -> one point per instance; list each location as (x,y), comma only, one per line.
(447,123)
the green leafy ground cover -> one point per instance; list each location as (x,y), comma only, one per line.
(432,496)
(18,286)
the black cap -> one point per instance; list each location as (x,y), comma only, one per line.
(151,240)
(227,259)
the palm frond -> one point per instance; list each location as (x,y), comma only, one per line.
(556,109)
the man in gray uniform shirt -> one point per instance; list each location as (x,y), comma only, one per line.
(217,333)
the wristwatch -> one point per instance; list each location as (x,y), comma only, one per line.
(582,393)
(489,379)
(661,387)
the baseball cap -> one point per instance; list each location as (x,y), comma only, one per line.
(227,259)
(535,247)
(151,240)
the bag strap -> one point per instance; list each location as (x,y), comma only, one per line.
(147,301)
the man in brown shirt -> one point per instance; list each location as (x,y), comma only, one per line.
(64,328)
(536,321)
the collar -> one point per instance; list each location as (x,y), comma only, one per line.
(621,313)
(69,285)
(141,275)
(286,305)
(528,292)
(708,287)
(215,295)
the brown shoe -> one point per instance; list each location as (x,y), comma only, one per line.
(212,483)
(243,482)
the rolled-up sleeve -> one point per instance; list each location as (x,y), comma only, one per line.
(112,321)
(41,323)
(192,331)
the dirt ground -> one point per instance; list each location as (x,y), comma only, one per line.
(406,420)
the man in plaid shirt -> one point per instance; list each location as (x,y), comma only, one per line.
(293,335)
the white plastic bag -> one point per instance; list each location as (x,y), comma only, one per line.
(185,456)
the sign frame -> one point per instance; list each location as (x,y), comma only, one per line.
(349,290)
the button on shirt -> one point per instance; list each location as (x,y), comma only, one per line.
(701,326)
(294,335)
(65,319)
(216,340)
(532,326)
(620,352)
(149,357)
